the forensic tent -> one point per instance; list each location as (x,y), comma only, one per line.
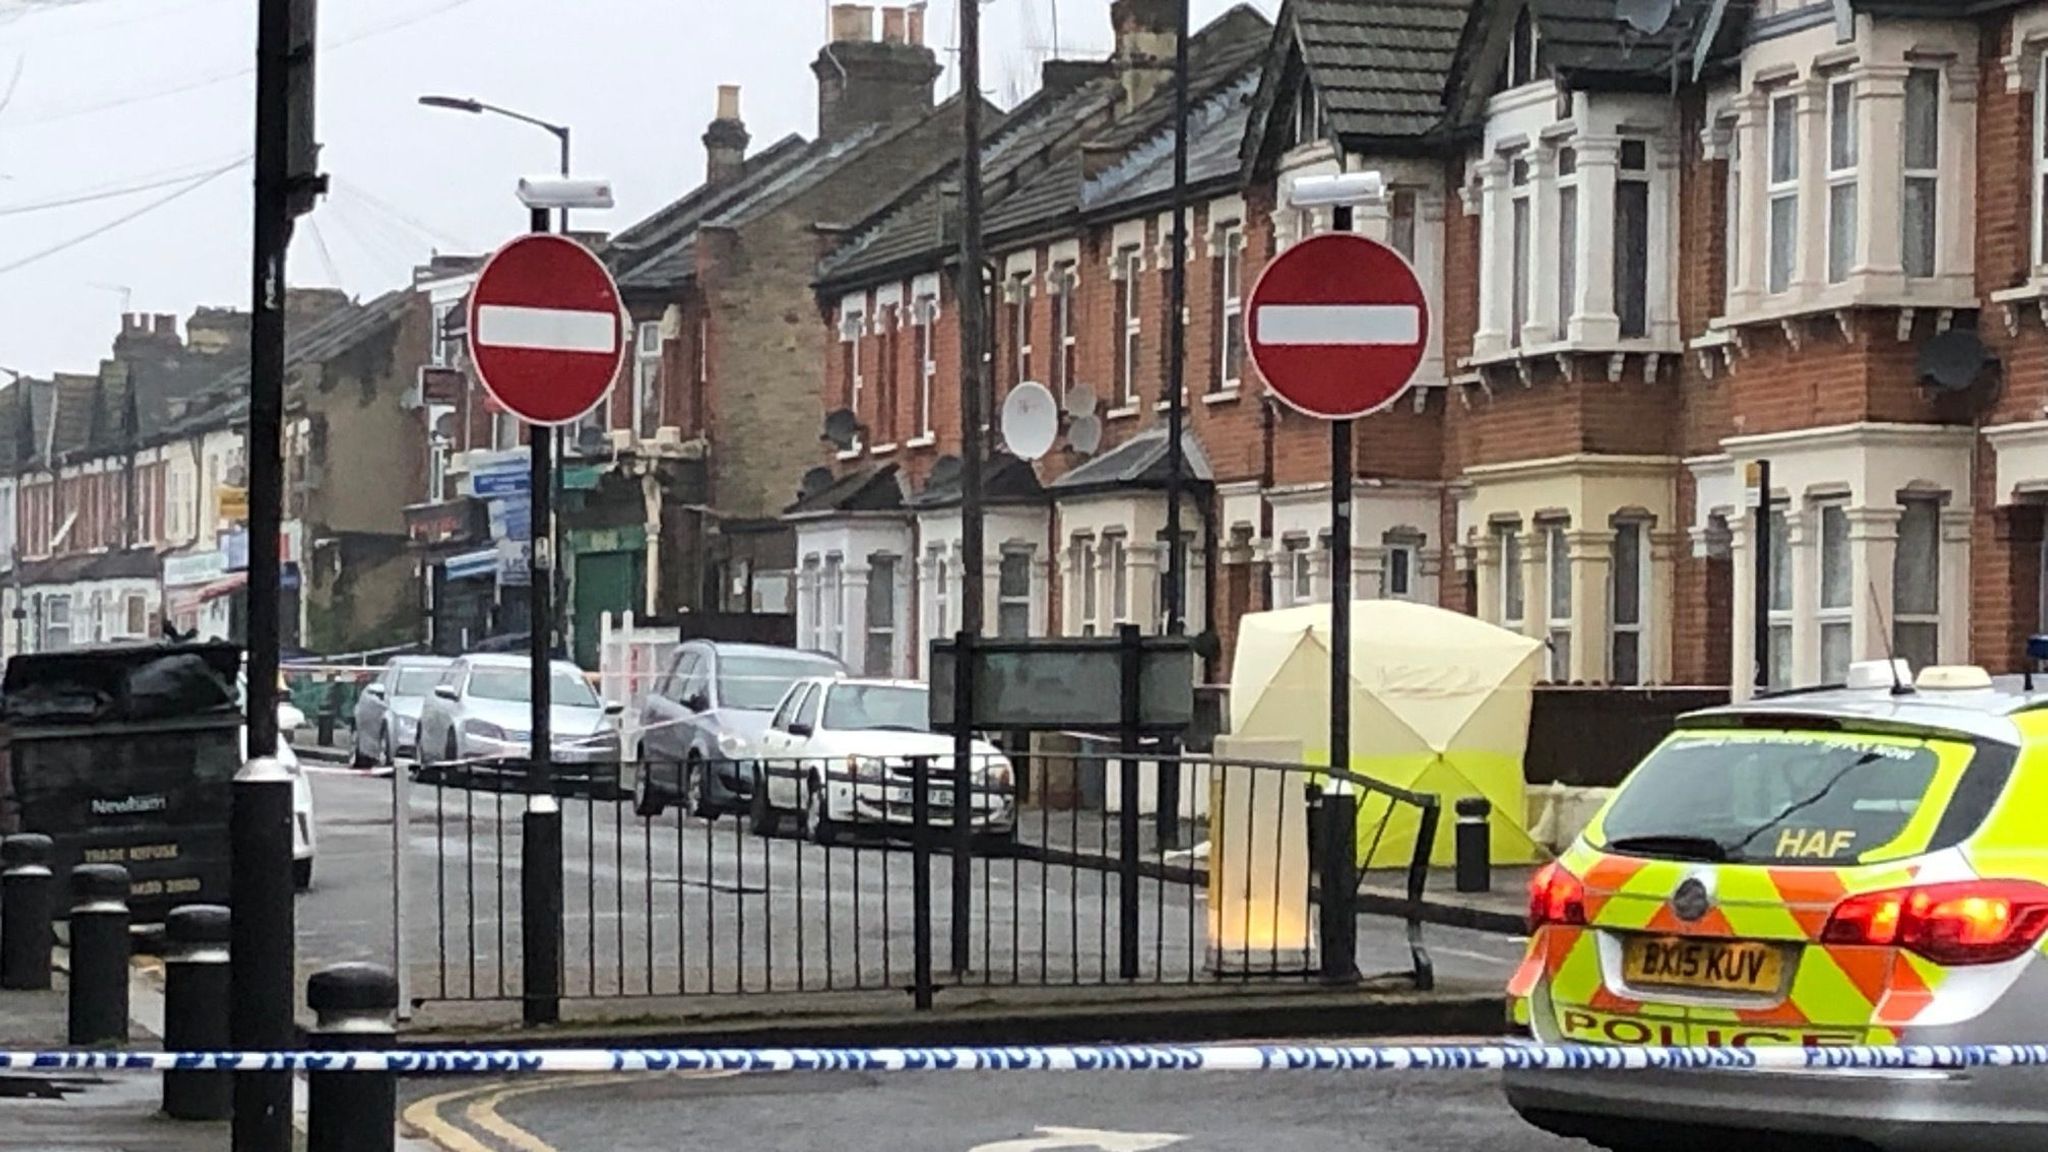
(1439,704)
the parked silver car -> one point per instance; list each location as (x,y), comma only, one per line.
(478,724)
(700,721)
(388,711)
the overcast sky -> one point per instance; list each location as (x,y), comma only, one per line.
(128,104)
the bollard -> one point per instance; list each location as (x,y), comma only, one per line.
(99,955)
(26,901)
(353,1008)
(1474,845)
(1338,884)
(196,1009)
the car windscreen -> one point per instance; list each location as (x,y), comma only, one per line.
(1796,797)
(568,690)
(758,683)
(877,708)
(416,680)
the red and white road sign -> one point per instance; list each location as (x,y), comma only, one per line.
(547,332)
(1338,325)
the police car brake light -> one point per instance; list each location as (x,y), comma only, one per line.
(1878,674)
(1556,897)
(1958,923)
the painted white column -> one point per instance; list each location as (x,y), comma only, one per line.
(1041,595)
(1873,547)
(1143,562)
(1954,592)
(1742,653)
(1430,209)
(1810,264)
(853,616)
(1486,557)
(1752,172)
(806,617)
(1880,187)
(1955,259)
(1665,243)
(1599,170)
(1660,607)
(1591,553)
(1540,327)
(1535,583)
(1802,543)
(1320,576)
(1368,571)
(1070,591)
(1496,238)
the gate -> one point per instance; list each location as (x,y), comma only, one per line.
(871,889)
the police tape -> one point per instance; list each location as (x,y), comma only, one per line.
(1107,1058)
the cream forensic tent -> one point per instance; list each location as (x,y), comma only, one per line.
(1439,704)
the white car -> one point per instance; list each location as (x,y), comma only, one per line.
(839,753)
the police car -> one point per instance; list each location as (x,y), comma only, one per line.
(1864,864)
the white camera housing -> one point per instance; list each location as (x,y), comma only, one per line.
(1348,188)
(560,192)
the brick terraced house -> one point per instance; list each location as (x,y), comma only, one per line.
(1808,232)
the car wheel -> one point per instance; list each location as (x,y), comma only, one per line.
(761,819)
(302,874)
(696,784)
(648,802)
(818,823)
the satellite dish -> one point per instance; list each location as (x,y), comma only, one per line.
(815,481)
(945,470)
(1031,420)
(842,428)
(1081,401)
(1953,361)
(1645,16)
(1084,435)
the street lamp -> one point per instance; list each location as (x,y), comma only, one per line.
(477,108)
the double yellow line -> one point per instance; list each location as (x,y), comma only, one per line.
(480,1111)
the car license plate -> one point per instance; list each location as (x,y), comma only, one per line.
(1712,965)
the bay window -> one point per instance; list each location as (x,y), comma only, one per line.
(1298,572)
(1013,595)
(1518,306)
(1916,584)
(1511,599)
(1920,210)
(1568,238)
(1116,557)
(1558,560)
(1088,577)
(1784,192)
(833,637)
(886,400)
(880,656)
(942,594)
(1630,577)
(1778,666)
(1632,239)
(1732,226)
(1398,579)
(1837,593)
(1842,172)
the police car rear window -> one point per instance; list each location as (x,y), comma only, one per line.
(1798,797)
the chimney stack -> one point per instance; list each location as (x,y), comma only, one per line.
(869,76)
(725,142)
(1145,32)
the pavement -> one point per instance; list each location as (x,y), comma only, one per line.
(996,1112)
(677,919)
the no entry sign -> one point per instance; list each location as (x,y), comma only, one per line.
(1337,325)
(546,329)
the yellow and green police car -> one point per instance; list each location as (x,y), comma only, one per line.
(1865,864)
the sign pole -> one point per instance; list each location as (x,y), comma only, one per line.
(540,876)
(1340,597)
(1760,627)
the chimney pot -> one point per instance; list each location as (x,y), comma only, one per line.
(725,142)
(1145,32)
(864,82)
(913,25)
(893,26)
(166,324)
(853,23)
(728,101)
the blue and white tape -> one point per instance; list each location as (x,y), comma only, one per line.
(1109,1058)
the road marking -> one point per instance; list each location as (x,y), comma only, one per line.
(546,329)
(1051,1138)
(1346,324)
(481,1111)
(424,1116)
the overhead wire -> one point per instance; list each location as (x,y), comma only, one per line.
(140,184)
(326,257)
(387,208)
(101,230)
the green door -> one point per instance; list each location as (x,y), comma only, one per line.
(604,582)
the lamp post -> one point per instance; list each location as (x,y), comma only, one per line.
(560,132)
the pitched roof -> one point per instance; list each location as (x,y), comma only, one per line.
(1140,461)
(865,489)
(1588,46)
(226,399)
(71,412)
(655,253)
(1004,480)
(1216,128)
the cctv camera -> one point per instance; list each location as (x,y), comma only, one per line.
(1349,188)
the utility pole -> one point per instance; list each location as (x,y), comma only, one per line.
(1168,814)
(263,968)
(973,584)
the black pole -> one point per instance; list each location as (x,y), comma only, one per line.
(1338,891)
(1166,812)
(262,954)
(540,876)
(973,380)
(961,780)
(196,1009)
(1340,596)
(98,997)
(921,879)
(1130,657)
(354,1006)
(27,901)
(1760,628)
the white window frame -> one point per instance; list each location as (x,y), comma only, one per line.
(1116,557)
(1521,241)
(646,378)
(1923,176)
(1782,655)
(1017,291)
(813,605)
(1299,571)
(1781,190)
(1130,267)
(833,580)
(926,316)
(1407,549)
(1402,211)
(1230,311)
(881,634)
(52,627)
(1733,224)
(942,593)
(135,613)
(1636,172)
(852,326)
(1087,575)
(1900,617)
(1569,210)
(1557,577)
(1844,163)
(1008,601)
(1513,593)
(1066,363)
(1832,616)
(1636,631)
(441,350)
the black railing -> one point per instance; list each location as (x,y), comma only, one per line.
(822,881)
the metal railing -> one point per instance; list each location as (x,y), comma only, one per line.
(738,877)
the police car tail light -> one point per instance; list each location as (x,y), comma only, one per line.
(1556,897)
(1966,922)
